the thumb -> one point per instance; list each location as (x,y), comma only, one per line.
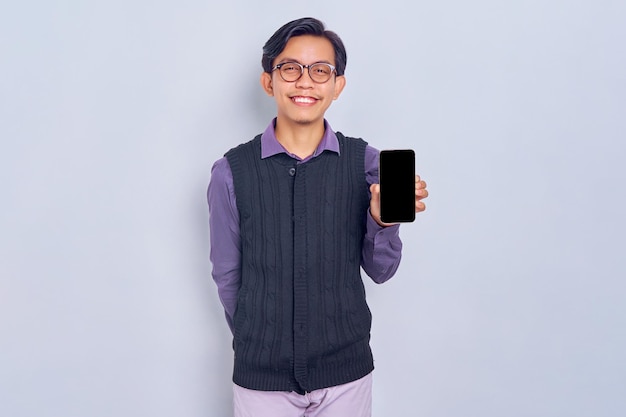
(375,201)
(375,192)
(375,205)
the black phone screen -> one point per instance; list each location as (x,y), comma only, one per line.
(396,171)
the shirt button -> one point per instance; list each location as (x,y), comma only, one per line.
(292,171)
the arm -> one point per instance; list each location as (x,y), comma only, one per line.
(382,247)
(225,240)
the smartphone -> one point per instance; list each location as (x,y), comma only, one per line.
(396,170)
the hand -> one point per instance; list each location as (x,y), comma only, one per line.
(420,193)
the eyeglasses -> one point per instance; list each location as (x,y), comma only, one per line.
(320,72)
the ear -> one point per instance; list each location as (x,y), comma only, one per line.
(340,83)
(266,83)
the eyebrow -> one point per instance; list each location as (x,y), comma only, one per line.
(282,61)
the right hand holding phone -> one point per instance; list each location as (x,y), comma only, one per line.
(420,193)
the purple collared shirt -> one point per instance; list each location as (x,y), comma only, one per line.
(382,247)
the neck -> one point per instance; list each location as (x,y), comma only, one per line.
(300,139)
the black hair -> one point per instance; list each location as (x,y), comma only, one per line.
(299,27)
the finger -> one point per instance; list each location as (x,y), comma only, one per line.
(420,184)
(421,194)
(419,206)
(375,190)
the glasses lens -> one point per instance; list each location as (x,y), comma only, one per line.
(320,72)
(290,71)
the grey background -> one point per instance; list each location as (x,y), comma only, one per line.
(510,297)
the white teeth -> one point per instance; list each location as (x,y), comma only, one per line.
(307,100)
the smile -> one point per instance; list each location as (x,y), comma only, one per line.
(303,100)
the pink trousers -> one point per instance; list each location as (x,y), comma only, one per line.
(349,400)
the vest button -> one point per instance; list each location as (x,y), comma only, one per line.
(292,172)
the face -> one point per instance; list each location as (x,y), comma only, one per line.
(304,101)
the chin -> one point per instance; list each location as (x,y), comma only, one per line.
(302,118)
(305,122)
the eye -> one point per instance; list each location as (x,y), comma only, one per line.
(321,69)
(289,67)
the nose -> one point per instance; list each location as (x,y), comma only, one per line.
(305,80)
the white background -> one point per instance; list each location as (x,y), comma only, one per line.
(510,300)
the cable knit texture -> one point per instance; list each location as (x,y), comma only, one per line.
(302,322)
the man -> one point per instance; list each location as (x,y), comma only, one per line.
(294,215)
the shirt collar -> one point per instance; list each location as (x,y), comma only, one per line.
(270,145)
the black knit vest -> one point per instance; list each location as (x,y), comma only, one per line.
(302,322)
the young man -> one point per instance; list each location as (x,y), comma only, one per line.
(294,215)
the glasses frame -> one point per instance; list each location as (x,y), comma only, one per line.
(302,67)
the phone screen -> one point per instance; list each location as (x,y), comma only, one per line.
(396,171)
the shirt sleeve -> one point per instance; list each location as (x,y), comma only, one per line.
(225,239)
(382,247)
